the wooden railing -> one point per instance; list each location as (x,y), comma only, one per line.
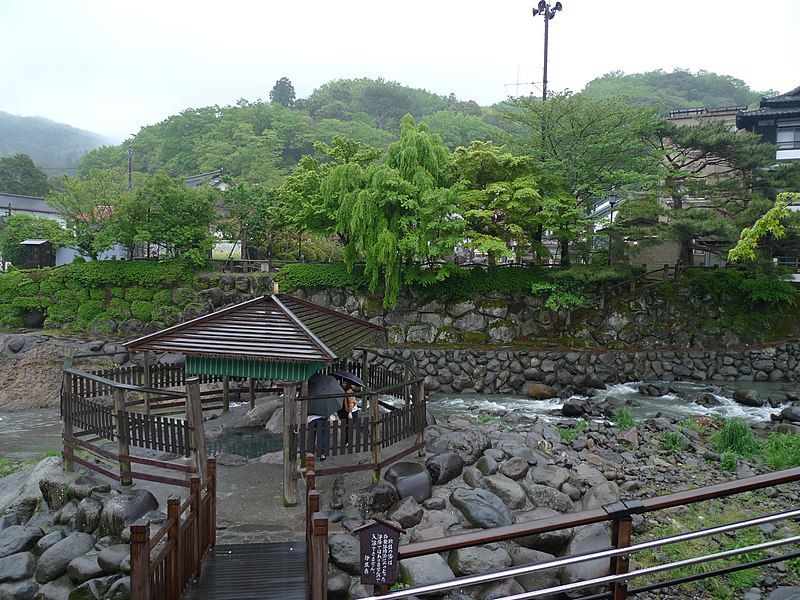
(317,523)
(164,564)
(620,516)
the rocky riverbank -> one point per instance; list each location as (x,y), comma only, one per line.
(482,475)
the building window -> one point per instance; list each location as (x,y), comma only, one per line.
(788,138)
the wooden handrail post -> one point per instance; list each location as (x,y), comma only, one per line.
(194,511)
(194,413)
(422,416)
(621,538)
(122,435)
(140,560)
(302,410)
(148,382)
(212,491)
(226,393)
(365,378)
(375,437)
(252,385)
(312,506)
(66,411)
(318,566)
(175,564)
(289,458)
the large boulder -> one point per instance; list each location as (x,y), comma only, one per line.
(344,549)
(54,562)
(406,512)
(515,467)
(19,538)
(338,584)
(410,480)
(84,568)
(481,507)
(547,497)
(111,558)
(376,498)
(468,443)
(748,397)
(262,412)
(590,538)
(94,589)
(51,539)
(121,509)
(476,560)
(275,423)
(20,493)
(444,467)
(508,490)
(551,541)
(537,580)
(425,570)
(59,589)
(601,494)
(549,475)
(87,515)
(18,590)
(498,590)
(541,391)
(17,567)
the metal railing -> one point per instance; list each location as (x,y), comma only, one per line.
(620,516)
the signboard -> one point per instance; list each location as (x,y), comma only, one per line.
(379,544)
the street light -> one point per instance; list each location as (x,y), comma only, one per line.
(548,12)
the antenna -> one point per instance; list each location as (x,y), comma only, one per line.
(518,83)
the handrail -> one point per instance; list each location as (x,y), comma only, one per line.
(123,386)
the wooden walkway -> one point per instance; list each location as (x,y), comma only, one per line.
(253,572)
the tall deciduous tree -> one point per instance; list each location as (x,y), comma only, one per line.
(282,93)
(19,175)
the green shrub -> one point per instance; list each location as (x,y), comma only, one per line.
(782,451)
(735,436)
(10,316)
(89,309)
(623,418)
(334,275)
(674,442)
(728,461)
(30,302)
(142,310)
(691,424)
(570,433)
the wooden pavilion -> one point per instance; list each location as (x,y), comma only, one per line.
(277,337)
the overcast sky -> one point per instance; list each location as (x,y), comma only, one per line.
(112,67)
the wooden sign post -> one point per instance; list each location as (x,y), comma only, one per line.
(379,544)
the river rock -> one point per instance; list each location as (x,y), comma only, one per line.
(9,520)
(601,495)
(410,480)
(474,478)
(84,568)
(120,589)
(94,589)
(18,590)
(475,560)
(425,570)
(468,443)
(514,468)
(406,512)
(791,413)
(19,538)
(275,423)
(541,391)
(344,549)
(500,589)
(376,498)
(87,515)
(551,541)
(590,538)
(574,408)
(17,567)
(123,508)
(435,504)
(486,465)
(549,475)
(338,584)
(54,561)
(55,590)
(261,414)
(444,467)
(85,486)
(784,593)
(748,397)
(111,558)
(48,541)
(481,507)
(508,490)
(20,493)
(544,496)
(538,580)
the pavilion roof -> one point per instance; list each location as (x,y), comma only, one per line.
(278,327)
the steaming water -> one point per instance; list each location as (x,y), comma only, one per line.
(29,434)
(640,405)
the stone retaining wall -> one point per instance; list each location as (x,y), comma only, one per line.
(519,370)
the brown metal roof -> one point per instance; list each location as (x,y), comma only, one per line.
(279,327)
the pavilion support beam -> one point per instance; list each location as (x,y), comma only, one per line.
(148,381)
(252,383)
(194,413)
(303,414)
(375,437)
(289,458)
(226,393)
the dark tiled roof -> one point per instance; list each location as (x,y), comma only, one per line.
(273,328)
(772,112)
(212,178)
(789,97)
(25,204)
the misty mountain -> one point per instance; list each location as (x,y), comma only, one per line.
(53,146)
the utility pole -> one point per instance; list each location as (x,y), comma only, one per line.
(548,12)
(130,167)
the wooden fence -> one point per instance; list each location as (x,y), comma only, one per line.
(164,564)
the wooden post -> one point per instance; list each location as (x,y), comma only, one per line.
(423,415)
(252,383)
(621,538)
(148,382)
(318,567)
(226,393)
(121,426)
(375,437)
(312,506)
(175,562)
(66,408)
(194,510)
(289,459)
(407,389)
(140,560)
(365,378)
(212,491)
(194,413)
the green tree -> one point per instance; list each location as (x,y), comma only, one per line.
(18,175)
(460,129)
(771,224)
(282,93)
(20,227)
(87,202)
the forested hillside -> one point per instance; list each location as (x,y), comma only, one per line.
(51,145)
(262,141)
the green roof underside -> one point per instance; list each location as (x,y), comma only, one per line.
(252,368)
